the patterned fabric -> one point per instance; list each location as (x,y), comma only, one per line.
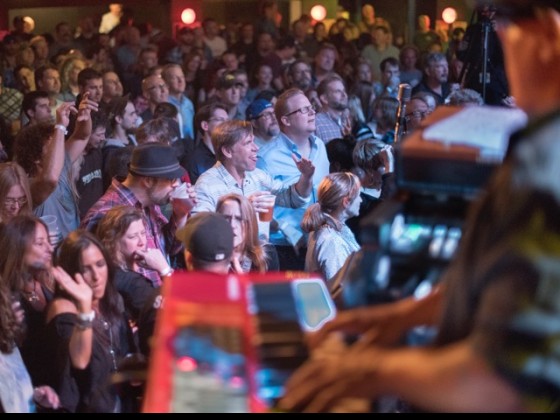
(10,103)
(328,249)
(160,233)
(328,128)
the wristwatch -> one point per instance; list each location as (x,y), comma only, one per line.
(85,320)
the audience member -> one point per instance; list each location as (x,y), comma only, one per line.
(208,243)
(25,265)
(333,119)
(464,97)
(282,159)
(409,59)
(86,334)
(380,49)
(49,160)
(15,193)
(436,72)
(250,253)
(330,240)
(153,174)
(203,156)
(174,77)
(122,231)
(265,125)
(388,84)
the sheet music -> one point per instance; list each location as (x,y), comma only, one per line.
(485,127)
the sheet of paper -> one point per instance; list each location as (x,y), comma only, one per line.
(485,127)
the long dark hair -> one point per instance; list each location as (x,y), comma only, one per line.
(15,237)
(69,257)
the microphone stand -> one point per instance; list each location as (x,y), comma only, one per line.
(484,78)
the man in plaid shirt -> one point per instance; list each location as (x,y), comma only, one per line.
(153,174)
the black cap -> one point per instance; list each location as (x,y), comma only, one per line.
(208,236)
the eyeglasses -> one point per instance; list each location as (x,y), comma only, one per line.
(303,110)
(161,87)
(417,114)
(9,201)
(266,116)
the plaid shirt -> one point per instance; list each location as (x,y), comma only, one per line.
(160,233)
(327,127)
(10,103)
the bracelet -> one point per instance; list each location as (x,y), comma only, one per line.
(87,316)
(61,128)
(167,272)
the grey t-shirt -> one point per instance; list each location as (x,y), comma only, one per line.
(62,202)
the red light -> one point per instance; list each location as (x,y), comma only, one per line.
(188,16)
(186,364)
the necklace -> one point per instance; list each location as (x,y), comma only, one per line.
(109,332)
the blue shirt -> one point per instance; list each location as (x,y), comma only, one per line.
(186,109)
(276,159)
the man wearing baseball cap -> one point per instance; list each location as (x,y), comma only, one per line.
(260,113)
(208,241)
(153,174)
(497,309)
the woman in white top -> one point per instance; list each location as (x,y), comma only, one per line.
(330,241)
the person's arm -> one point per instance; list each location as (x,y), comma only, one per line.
(78,140)
(305,183)
(383,324)
(449,379)
(81,340)
(52,162)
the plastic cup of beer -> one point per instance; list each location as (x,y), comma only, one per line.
(181,195)
(270,199)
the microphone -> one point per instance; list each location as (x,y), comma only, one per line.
(403,96)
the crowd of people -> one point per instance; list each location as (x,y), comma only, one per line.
(135,142)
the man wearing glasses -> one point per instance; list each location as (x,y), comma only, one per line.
(260,113)
(296,117)
(156,91)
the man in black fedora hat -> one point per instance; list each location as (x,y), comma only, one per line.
(153,174)
(497,309)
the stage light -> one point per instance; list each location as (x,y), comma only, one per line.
(318,12)
(188,16)
(449,15)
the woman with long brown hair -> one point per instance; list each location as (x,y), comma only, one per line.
(250,253)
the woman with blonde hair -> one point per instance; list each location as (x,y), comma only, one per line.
(250,253)
(69,70)
(14,191)
(330,241)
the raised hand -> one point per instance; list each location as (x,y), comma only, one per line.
(151,258)
(305,166)
(63,113)
(76,287)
